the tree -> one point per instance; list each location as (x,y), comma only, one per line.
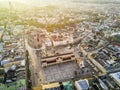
(28,82)
(95,37)
(75,72)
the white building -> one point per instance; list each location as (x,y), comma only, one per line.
(82,85)
(116,77)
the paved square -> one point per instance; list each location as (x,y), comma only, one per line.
(58,72)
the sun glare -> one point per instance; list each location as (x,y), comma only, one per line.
(23,1)
(35,2)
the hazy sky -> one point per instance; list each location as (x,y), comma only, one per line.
(37,1)
(27,1)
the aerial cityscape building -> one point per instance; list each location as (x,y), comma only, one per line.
(60,45)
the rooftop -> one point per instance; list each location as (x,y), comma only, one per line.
(116,77)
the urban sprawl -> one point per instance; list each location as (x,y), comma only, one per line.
(74,46)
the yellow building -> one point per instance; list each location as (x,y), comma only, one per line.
(46,86)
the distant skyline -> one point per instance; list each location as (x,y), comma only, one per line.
(50,2)
(36,2)
(27,1)
(56,1)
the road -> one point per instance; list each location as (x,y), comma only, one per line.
(35,67)
(89,55)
